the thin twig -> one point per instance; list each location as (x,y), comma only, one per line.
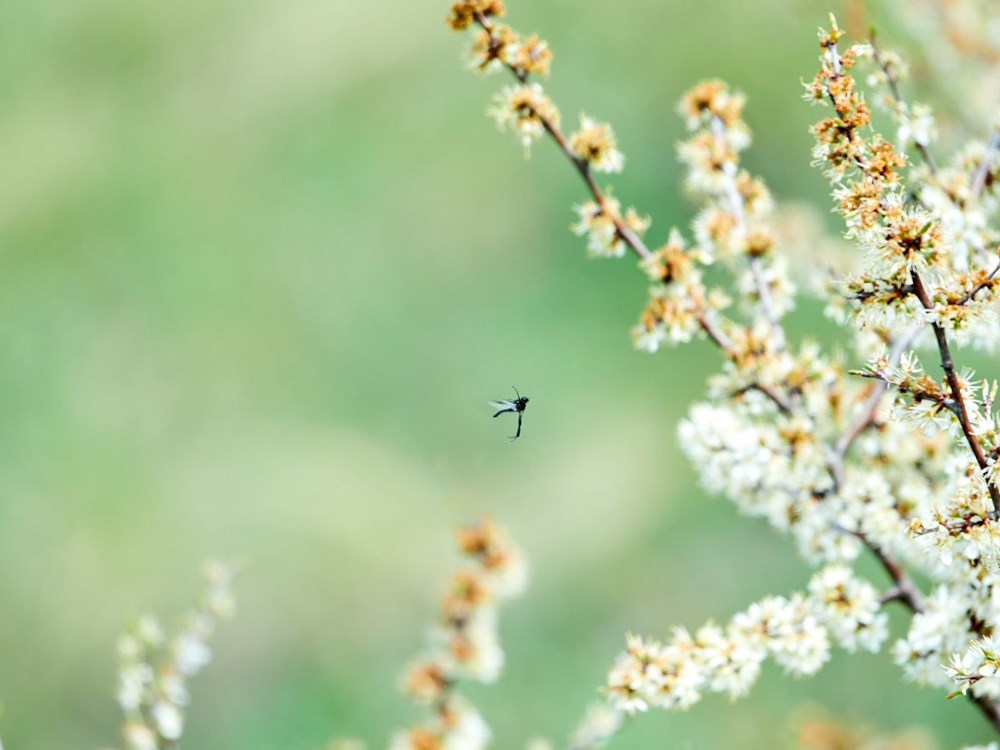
(961,411)
(583,167)
(869,409)
(905,589)
(979,287)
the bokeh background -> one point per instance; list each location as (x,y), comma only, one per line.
(263,264)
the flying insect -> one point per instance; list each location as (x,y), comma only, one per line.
(516,406)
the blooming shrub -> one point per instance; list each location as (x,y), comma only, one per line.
(873,453)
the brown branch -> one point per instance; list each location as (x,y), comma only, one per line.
(904,589)
(961,410)
(768,391)
(715,333)
(583,167)
(918,395)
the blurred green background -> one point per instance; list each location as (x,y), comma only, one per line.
(263,264)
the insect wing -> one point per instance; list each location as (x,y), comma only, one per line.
(503,404)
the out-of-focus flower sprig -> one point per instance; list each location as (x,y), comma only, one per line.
(154,665)
(600,723)
(465,644)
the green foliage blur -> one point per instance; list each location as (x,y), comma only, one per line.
(264,262)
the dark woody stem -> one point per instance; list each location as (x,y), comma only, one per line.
(961,410)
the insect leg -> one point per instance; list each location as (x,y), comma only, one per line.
(520,415)
(502,411)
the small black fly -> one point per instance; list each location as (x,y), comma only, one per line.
(518,405)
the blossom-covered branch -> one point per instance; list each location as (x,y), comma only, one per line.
(789,435)
(795,631)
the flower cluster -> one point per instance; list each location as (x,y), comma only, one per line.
(594,143)
(933,225)
(501,46)
(795,632)
(465,12)
(977,669)
(526,110)
(155,666)
(465,643)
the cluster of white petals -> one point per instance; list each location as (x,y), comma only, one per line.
(977,669)
(526,110)
(851,608)
(601,225)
